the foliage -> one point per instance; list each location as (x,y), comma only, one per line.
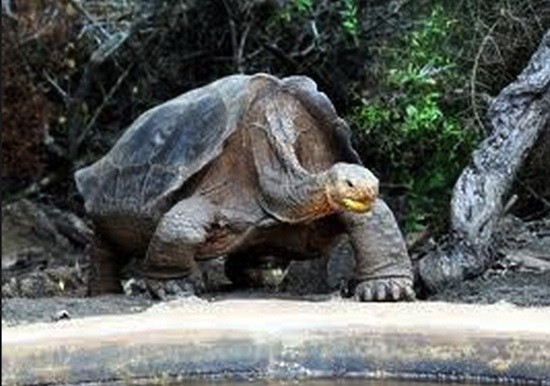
(411,125)
(350,23)
(303,6)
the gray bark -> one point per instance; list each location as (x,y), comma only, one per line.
(519,115)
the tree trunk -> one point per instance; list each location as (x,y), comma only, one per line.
(519,115)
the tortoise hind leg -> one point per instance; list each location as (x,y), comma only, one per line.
(105,269)
(383,268)
(169,266)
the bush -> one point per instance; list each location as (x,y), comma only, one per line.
(411,130)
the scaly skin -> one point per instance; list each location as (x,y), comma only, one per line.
(383,267)
(176,243)
(311,196)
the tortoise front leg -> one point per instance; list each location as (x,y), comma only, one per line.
(169,266)
(383,268)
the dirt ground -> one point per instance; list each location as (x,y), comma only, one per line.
(526,289)
(45,269)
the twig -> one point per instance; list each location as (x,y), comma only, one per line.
(74,108)
(519,21)
(106,49)
(492,40)
(509,204)
(474,75)
(535,194)
(99,110)
(101,54)
(92,19)
(273,48)
(306,51)
(535,16)
(240,52)
(7,12)
(56,86)
(36,187)
(233,32)
(43,30)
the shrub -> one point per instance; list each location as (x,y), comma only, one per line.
(411,130)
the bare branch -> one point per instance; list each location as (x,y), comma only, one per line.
(55,85)
(240,53)
(473,77)
(233,30)
(78,6)
(99,110)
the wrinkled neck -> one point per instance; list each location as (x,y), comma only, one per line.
(289,192)
(301,199)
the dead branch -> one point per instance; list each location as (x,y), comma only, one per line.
(78,6)
(473,77)
(240,53)
(55,85)
(519,115)
(99,110)
(233,31)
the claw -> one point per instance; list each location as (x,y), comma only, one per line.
(157,289)
(363,295)
(409,293)
(381,292)
(396,291)
(393,289)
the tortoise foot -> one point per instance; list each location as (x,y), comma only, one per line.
(161,289)
(386,289)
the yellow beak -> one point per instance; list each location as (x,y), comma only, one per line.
(356,206)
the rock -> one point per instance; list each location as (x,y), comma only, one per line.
(43,251)
(524,245)
(61,315)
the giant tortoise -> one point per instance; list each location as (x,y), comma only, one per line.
(246,167)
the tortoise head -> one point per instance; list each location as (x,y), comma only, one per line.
(351,187)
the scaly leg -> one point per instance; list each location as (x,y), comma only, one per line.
(169,266)
(383,268)
(104,270)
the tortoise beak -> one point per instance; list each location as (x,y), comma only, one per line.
(363,203)
(357,206)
